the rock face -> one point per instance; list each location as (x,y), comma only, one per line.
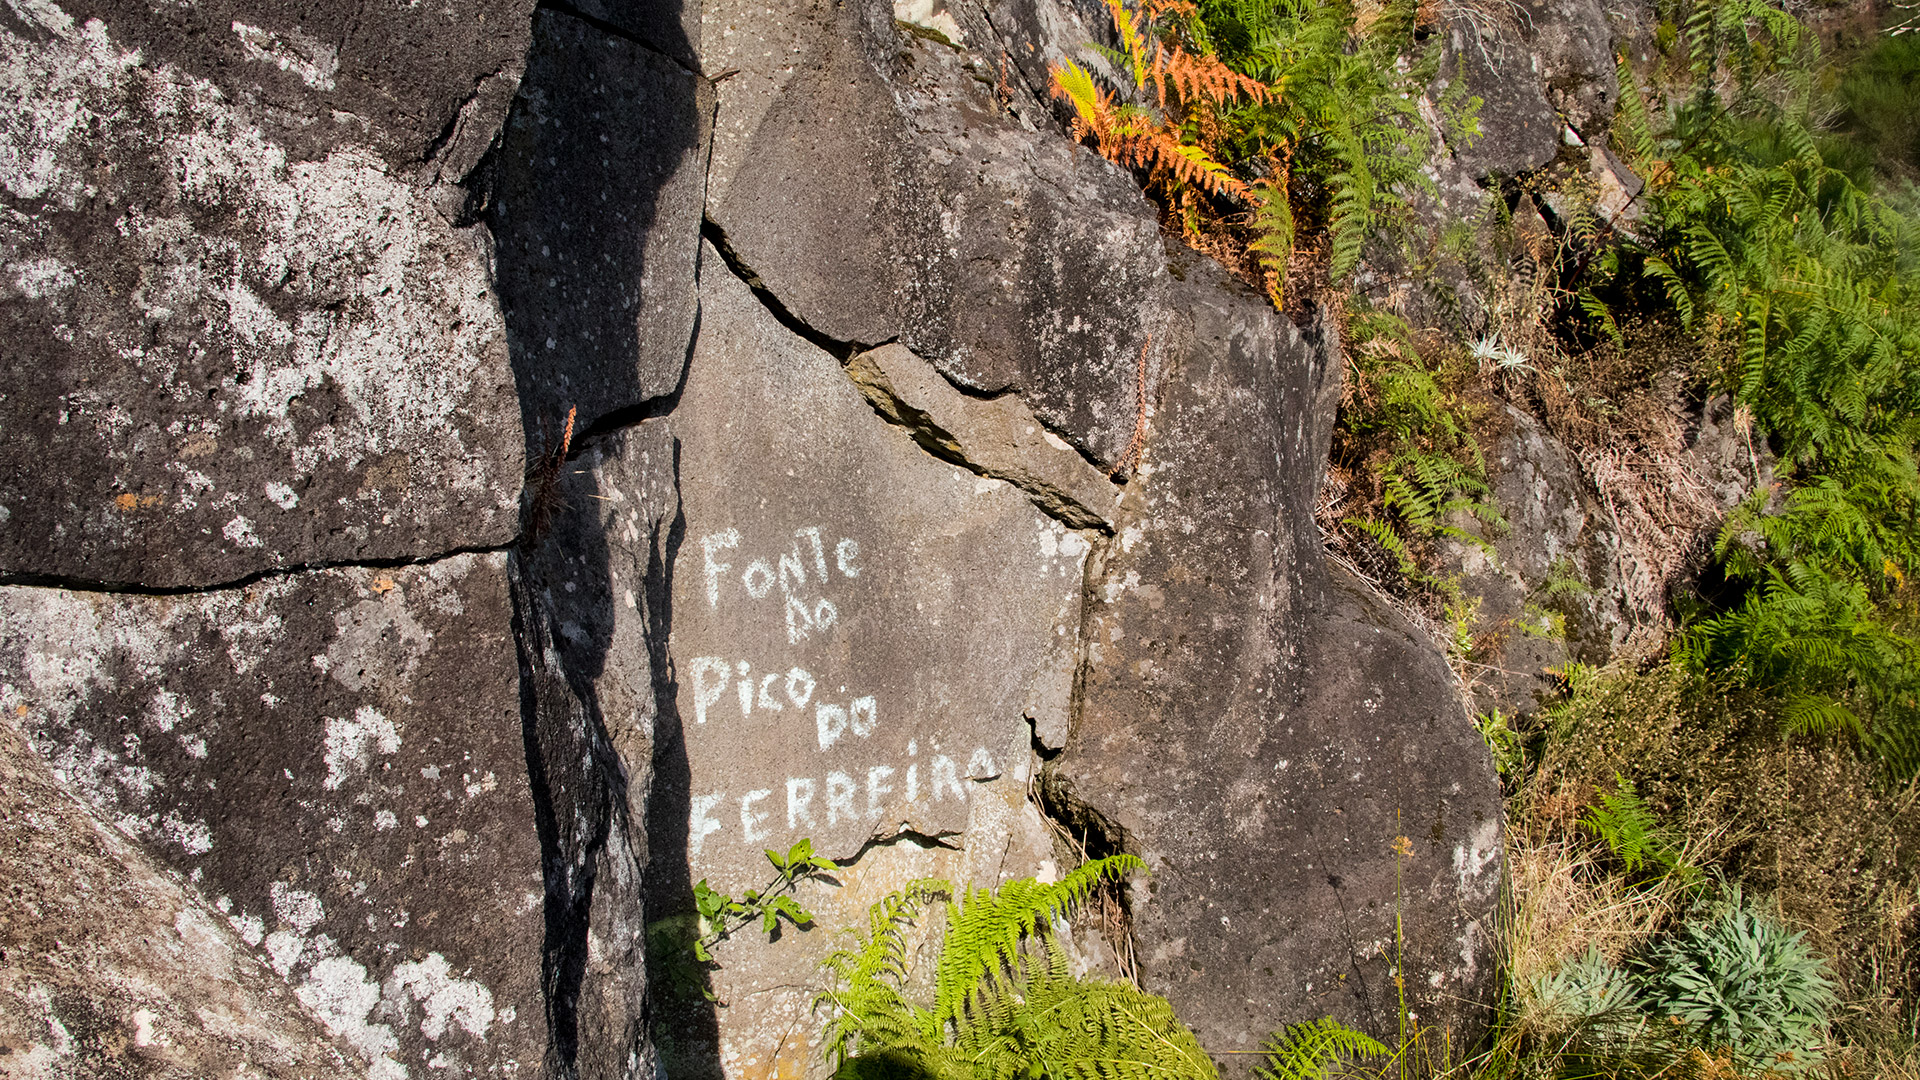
(424,557)
(335,760)
(1264,734)
(112,969)
(860,636)
(244,350)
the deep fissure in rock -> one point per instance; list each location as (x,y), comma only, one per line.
(593,352)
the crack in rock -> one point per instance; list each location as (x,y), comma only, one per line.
(997,437)
(134,588)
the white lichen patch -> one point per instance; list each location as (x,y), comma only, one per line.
(340,994)
(281,495)
(443,998)
(351,742)
(1473,861)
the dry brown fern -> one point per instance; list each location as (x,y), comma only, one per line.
(1186,86)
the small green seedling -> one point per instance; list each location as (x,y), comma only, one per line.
(721,915)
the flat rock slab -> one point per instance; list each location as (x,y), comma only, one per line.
(334,757)
(114,970)
(996,249)
(599,186)
(218,357)
(998,437)
(860,631)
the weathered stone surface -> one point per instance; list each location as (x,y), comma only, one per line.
(998,437)
(597,206)
(1003,254)
(1261,734)
(1038,34)
(858,630)
(591,625)
(395,77)
(1573,46)
(111,969)
(335,757)
(1519,131)
(240,358)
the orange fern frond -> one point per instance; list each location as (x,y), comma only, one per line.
(1194,165)
(1201,78)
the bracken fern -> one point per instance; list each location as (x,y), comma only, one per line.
(1005,1004)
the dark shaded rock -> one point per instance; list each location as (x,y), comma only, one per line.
(335,757)
(597,194)
(668,27)
(110,969)
(590,618)
(596,214)
(219,357)
(1003,254)
(1519,131)
(1260,732)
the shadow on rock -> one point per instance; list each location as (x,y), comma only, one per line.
(594,198)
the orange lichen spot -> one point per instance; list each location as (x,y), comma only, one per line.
(19,710)
(381,586)
(128,502)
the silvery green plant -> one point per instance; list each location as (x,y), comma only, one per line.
(1590,992)
(1743,983)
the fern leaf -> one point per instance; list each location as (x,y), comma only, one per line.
(1314,1049)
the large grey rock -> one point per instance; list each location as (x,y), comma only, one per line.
(1490,59)
(860,631)
(219,354)
(598,189)
(336,758)
(1004,255)
(112,969)
(1262,733)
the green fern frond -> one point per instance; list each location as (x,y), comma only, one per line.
(1006,1004)
(1311,1050)
(985,928)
